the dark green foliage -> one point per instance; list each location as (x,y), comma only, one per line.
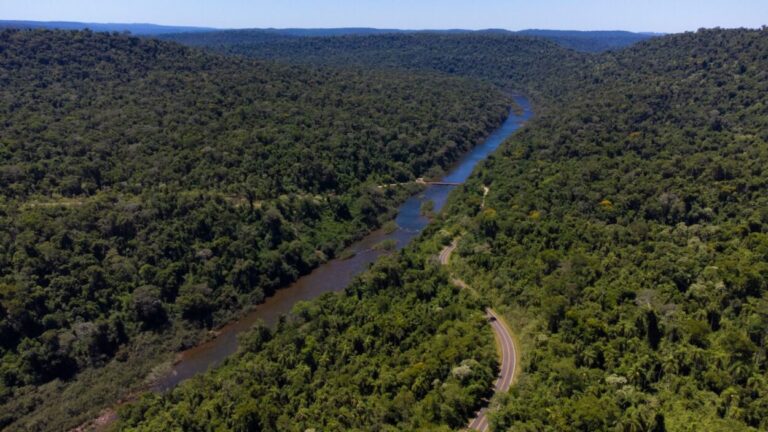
(212,123)
(148,306)
(630,242)
(586,41)
(135,29)
(533,65)
(403,349)
(148,187)
(625,235)
(590,41)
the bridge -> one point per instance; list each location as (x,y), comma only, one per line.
(421,180)
(442,183)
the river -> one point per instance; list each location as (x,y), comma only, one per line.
(336,274)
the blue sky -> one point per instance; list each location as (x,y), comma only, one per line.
(635,15)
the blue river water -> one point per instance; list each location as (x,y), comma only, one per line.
(409,216)
(335,275)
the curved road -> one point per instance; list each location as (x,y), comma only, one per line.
(508,366)
(504,342)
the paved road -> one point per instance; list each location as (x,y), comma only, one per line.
(508,366)
(505,343)
(445,254)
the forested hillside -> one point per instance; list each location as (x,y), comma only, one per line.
(246,40)
(149,191)
(134,29)
(591,41)
(403,349)
(538,67)
(625,237)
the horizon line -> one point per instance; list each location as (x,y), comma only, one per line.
(363,27)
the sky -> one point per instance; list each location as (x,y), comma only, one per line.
(667,16)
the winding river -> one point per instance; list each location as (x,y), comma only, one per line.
(335,275)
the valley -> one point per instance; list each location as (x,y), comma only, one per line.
(356,229)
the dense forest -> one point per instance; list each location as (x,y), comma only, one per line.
(149,192)
(590,41)
(244,40)
(587,41)
(539,67)
(133,28)
(403,349)
(625,238)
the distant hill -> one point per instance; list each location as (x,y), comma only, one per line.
(587,41)
(316,32)
(137,29)
(591,41)
(532,65)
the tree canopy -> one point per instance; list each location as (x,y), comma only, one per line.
(624,236)
(629,243)
(149,192)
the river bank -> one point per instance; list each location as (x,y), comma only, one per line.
(336,274)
